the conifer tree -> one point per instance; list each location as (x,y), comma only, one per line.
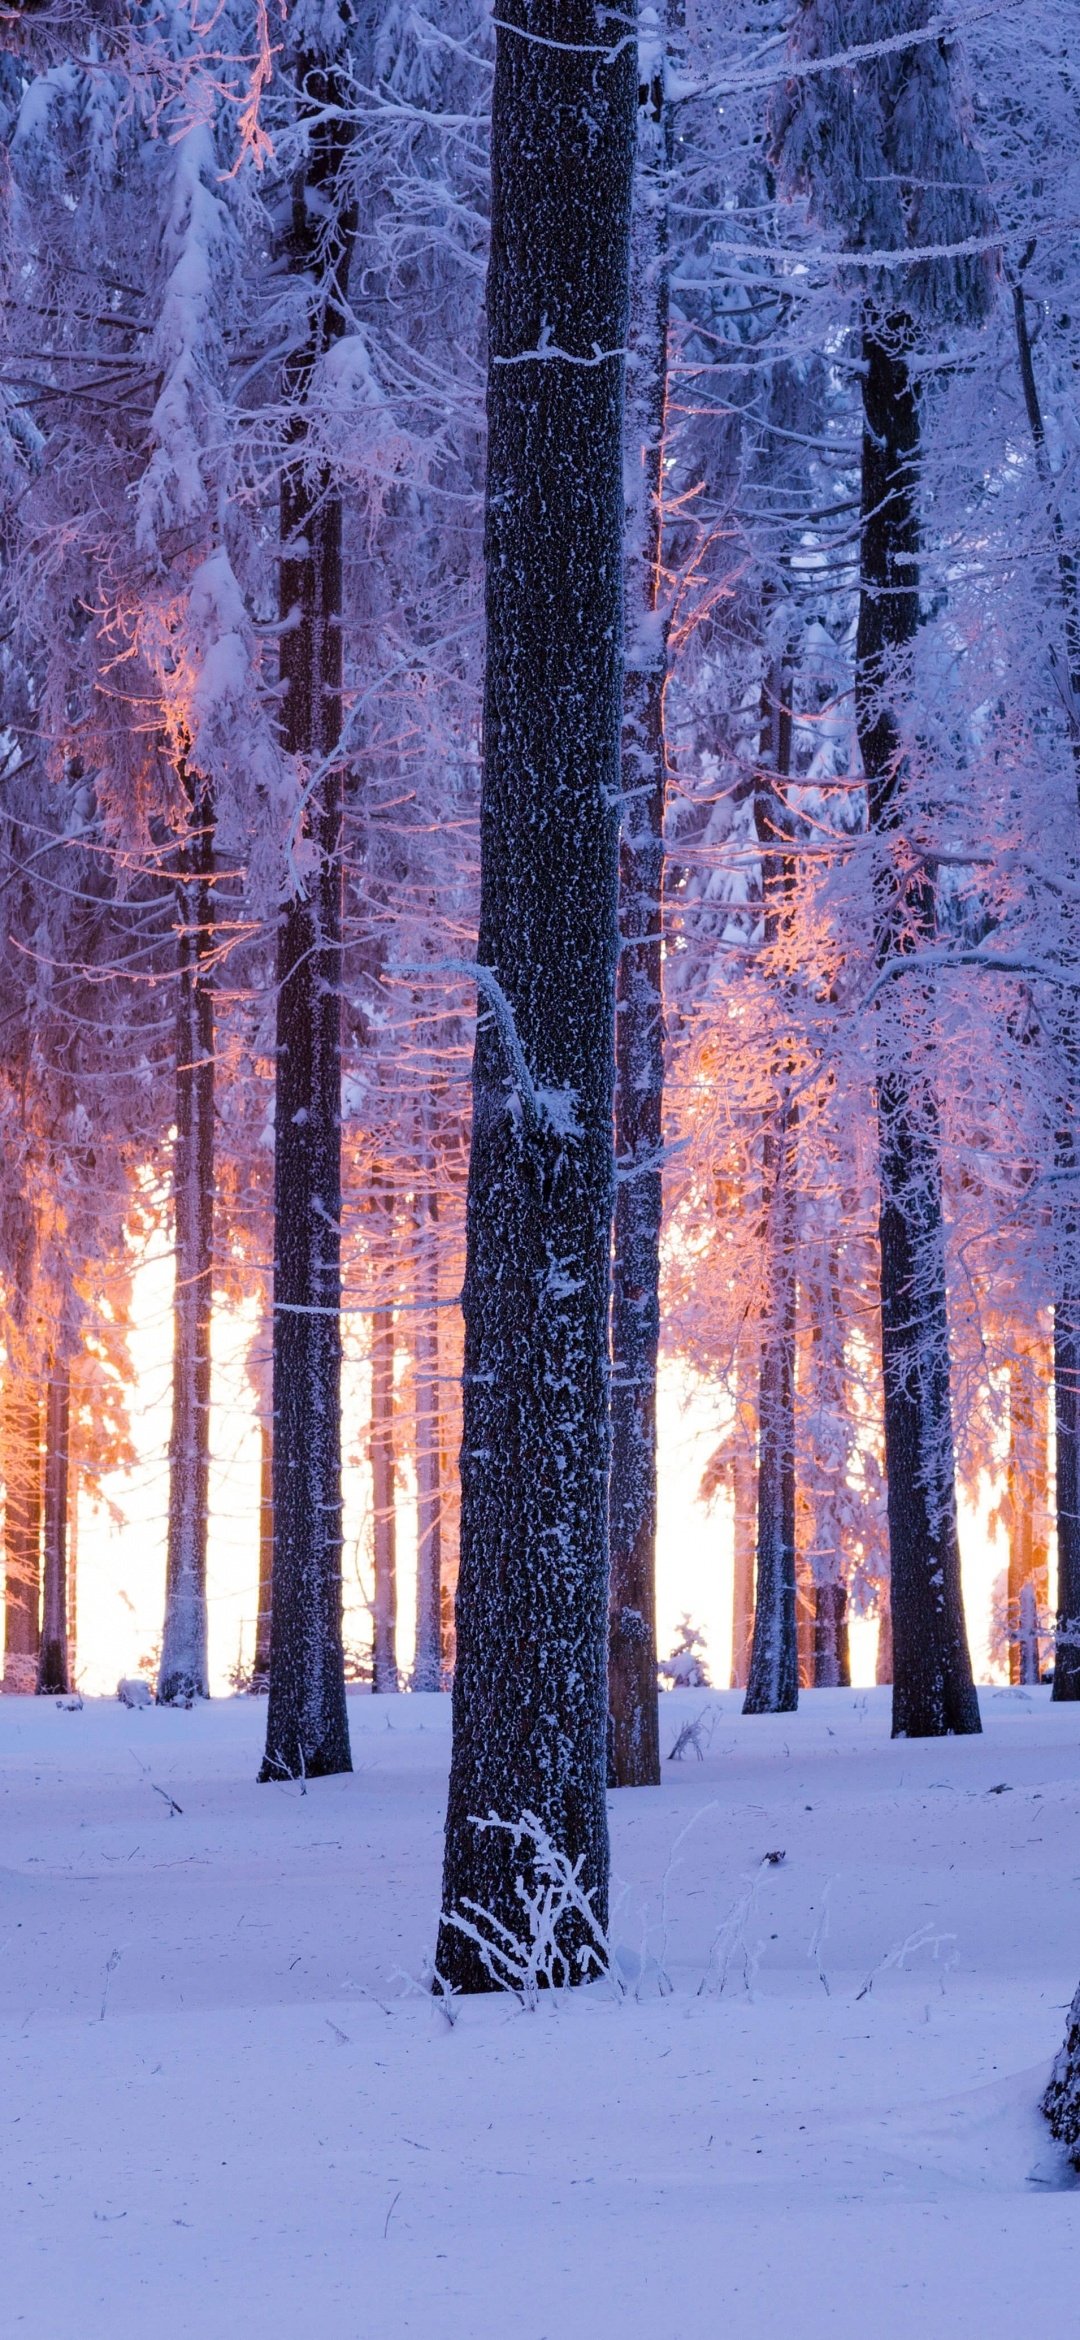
(879,148)
(306,1726)
(530,1689)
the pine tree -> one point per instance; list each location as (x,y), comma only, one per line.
(183,1675)
(307,1729)
(639,1011)
(773,1678)
(879,149)
(530,1698)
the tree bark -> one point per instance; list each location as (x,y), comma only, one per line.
(1028,1490)
(933,1691)
(530,1688)
(427,1665)
(260,1670)
(307,1731)
(831,1668)
(832,1652)
(773,1680)
(384,1470)
(1067,1215)
(22,1537)
(182,1675)
(639,1011)
(744,1525)
(53,1660)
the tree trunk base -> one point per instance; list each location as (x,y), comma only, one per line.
(52,1678)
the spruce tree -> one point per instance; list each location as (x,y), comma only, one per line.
(878,147)
(307,1730)
(530,1688)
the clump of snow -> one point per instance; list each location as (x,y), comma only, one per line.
(131,1690)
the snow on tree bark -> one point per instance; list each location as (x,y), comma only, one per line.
(530,1691)
(307,1732)
(1061,2103)
(384,1500)
(880,149)
(639,1010)
(773,1677)
(1066,1216)
(933,1690)
(427,1664)
(53,1657)
(182,1675)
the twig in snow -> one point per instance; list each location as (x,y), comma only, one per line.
(819,1934)
(111,1964)
(690,1735)
(924,1938)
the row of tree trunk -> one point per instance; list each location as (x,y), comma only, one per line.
(39,1611)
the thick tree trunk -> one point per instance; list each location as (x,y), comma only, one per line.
(639,1012)
(307,1730)
(53,1659)
(530,1688)
(427,1664)
(260,1671)
(22,1537)
(182,1675)
(773,1681)
(933,1691)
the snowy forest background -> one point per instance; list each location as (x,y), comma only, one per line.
(243,261)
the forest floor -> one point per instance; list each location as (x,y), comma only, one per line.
(224,2106)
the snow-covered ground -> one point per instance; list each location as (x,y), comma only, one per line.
(225,2109)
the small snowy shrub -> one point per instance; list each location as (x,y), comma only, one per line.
(553,1903)
(686,1669)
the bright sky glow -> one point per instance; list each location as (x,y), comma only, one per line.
(121,1564)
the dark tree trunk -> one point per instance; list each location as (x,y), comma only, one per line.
(1067,1216)
(182,1675)
(832,1655)
(260,1671)
(933,1691)
(639,1011)
(384,1501)
(831,1667)
(530,1687)
(773,1680)
(427,1665)
(53,1661)
(22,1537)
(307,1730)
